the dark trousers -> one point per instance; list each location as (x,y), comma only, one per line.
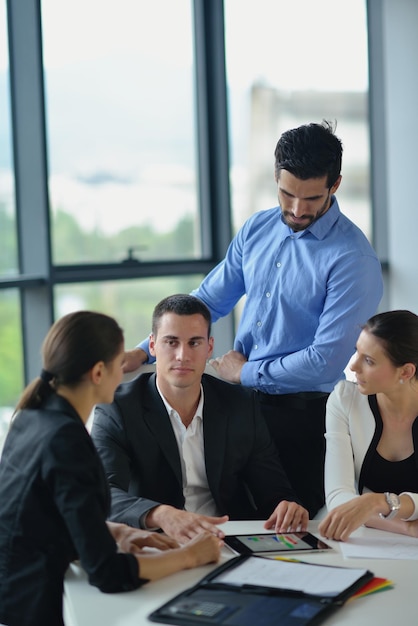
(297,425)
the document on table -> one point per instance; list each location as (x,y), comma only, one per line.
(380,544)
(321,580)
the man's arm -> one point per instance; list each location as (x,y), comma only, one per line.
(134,359)
(184,525)
(353,292)
(109,437)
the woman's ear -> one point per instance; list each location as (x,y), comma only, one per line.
(408,371)
(96,373)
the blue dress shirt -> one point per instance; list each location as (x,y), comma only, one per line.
(307,294)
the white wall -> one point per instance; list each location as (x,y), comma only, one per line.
(394,81)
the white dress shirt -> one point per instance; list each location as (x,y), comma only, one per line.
(198,497)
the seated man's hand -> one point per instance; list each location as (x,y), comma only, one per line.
(134,359)
(184,525)
(288,517)
(133,539)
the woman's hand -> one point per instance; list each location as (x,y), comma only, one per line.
(134,540)
(346,518)
(202,549)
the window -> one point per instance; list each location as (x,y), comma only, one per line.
(131,302)
(8,239)
(291,63)
(119,82)
(11,368)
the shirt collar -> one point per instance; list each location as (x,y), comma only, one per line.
(321,227)
(169,408)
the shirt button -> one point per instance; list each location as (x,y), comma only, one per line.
(268,294)
(278,264)
(255,347)
(258,324)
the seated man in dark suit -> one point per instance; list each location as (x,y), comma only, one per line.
(184,451)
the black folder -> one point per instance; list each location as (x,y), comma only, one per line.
(213,602)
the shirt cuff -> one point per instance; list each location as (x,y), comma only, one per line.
(249,374)
(414,498)
(144,345)
(143,524)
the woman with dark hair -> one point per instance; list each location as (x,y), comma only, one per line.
(53,491)
(371,463)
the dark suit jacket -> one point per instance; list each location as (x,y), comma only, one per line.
(138,448)
(54,503)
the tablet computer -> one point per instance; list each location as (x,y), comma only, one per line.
(272,543)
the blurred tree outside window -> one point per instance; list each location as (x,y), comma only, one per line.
(121,130)
(11,353)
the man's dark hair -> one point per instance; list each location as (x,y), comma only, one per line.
(180,304)
(310,151)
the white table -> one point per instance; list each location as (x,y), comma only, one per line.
(85,605)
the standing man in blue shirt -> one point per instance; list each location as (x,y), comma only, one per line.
(310,278)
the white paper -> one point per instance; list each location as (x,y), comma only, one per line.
(380,545)
(313,579)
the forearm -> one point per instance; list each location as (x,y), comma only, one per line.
(202,549)
(155,516)
(127,509)
(346,302)
(398,522)
(155,566)
(144,352)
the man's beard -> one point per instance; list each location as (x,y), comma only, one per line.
(308,219)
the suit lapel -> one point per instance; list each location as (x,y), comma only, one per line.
(158,422)
(215,422)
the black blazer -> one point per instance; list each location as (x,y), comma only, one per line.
(138,448)
(54,500)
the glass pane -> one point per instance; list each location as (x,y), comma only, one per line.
(8,239)
(11,364)
(121,129)
(131,302)
(307,61)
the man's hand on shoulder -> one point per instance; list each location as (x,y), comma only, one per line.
(134,359)
(184,525)
(229,366)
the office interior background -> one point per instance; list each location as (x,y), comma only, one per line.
(136,137)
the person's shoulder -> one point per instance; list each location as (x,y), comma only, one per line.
(347,394)
(128,396)
(260,218)
(345,389)
(133,387)
(353,235)
(222,387)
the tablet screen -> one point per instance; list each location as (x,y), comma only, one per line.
(274,543)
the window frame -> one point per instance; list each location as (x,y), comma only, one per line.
(37,274)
